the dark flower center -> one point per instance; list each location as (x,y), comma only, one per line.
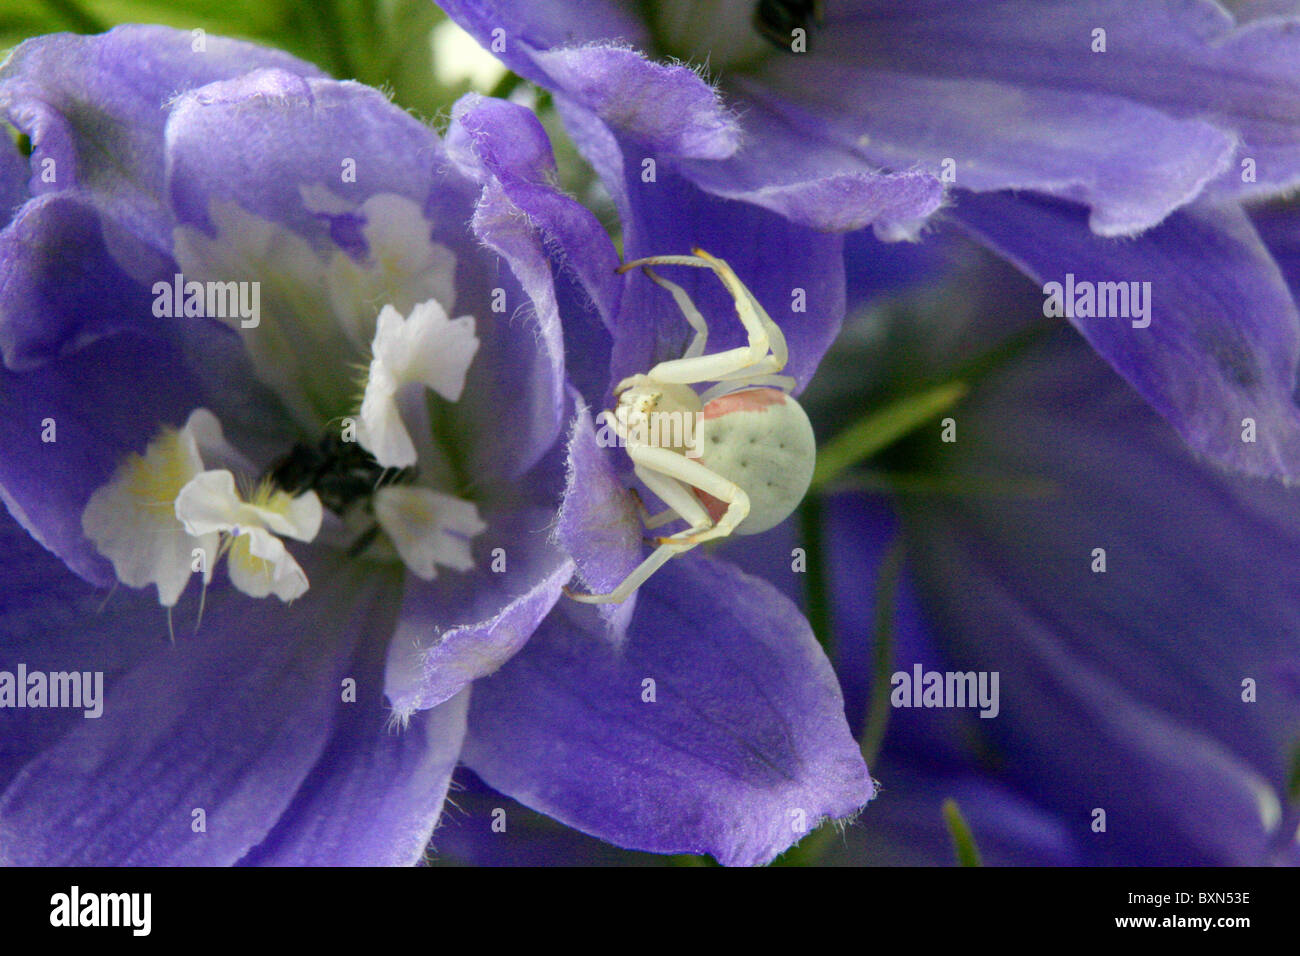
(340,472)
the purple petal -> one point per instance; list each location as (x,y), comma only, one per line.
(485,828)
(376,794)
(495,140)
(229,721)
(680,121)
(666,109)
(61,286)
(743,749)
(504,148)
(1223,336)
(1129,695)
(905,825)
(858,531)
(822,187)
(1279,227)
(13,180)
(40,599)
(669,110)
(598,524)
(105,401)
(515,32)
(662,108)
(1012,94)
(464,625)
(260,138)
(304,130)
(84,98)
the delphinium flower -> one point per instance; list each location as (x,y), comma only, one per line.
(1150,119)
(253,380)
(284,380)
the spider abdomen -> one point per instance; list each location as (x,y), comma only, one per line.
(761,439)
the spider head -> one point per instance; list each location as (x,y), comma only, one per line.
(660,414)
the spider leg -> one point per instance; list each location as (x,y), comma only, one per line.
(710,368)
(667,516)
(691,472)
(766,347)
(667,473)
(649,521)
(658,558)
(681,503)
(776,338)
(688,310)
(747,307)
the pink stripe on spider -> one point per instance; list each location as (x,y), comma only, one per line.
(745,400)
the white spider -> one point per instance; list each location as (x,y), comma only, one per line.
(752,456)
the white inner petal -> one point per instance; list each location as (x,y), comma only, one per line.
(132,519)
(426,348)
(259,563)
(317,313)
(428,528)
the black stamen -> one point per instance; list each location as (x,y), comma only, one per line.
(340,472)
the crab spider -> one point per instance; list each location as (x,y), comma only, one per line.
(752,457)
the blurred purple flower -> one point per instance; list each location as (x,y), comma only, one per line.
(155,153)
(1163,690)
(1159,113)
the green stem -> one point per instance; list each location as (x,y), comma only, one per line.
(963,840)
(816,587)
(326,22)
(881,428)
(882,650)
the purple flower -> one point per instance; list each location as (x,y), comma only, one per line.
(291,370)
(1061,128)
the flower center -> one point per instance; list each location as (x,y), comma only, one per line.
(178,509)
